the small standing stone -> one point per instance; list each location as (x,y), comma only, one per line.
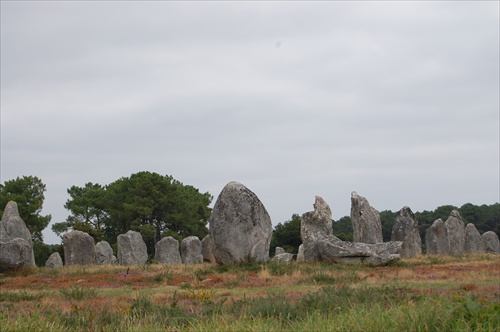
(79,248)
(103,253)
(473,241)
(131,249)
(191,250)
(455,229)
(167,251)
(207,245)
(491,242)
(436,239)
(366,224)
(300,254)
(54,261)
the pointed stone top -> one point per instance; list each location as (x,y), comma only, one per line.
(321,208)
(406,211)
(10,210)
(455,214)
(233,185)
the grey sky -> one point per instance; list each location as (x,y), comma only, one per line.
(398,101)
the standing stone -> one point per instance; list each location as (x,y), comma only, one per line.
(131,249)
(54,261)
(491,242)
(103,253)
(473,241)
(405,229)
(278,251)
(455,229)
(436,239)
(240,226)
(79,248)
(300,254)
(191,250)
(207,246)
(15,254)
(315,225)
(366,225)
(167,251)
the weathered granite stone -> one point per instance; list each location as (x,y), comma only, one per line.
(207,245)
(455,229)
(103,253)
(240,226)
(321,245)
(491,242)
(436,239)
(300,254)
(284,257)
(12,226)
(167,251)
(333,249)
(191,250)
(314,226)
(15,254)
(473,241)
(54,261)
(278,251)
(405,229)
(366,225)
(131,249)
(79,248)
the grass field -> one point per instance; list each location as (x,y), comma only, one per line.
(429,293)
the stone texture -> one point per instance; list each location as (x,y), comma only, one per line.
(300,254)
(284,257)
(321,245)
(366,224)
(103,253)
(15,254)
(436,239)
(473,241)
(54,261)
(405,229)
(240,226)
(278,251)
(455,229)
(207,246)
(191,250)
(12,227)
(315,225)
(79,248)
(131,249)
(491,242)
(167,251)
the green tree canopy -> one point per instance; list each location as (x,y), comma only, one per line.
(28,193)
(287,235)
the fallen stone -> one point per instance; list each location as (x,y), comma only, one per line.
(167,251)
(131,249)
(284,257)
(366,224)
(240,226)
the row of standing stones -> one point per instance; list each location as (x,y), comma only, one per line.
(241,229)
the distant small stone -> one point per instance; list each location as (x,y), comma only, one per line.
(207,246)
(54,261)
(103,253)
(167,251)
(278,251)
(300,254)
(284,257)
(191,250)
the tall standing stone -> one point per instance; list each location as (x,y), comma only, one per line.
(491,242)
(240,226)
(191,250)
(405,229)
(79,248)
(455,229)
(103,253)
(315,225)
(473,241)
(131,249)
(18,253)
(167,251)
(366,224)
(436,239)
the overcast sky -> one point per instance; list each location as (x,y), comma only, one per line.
(398,101)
